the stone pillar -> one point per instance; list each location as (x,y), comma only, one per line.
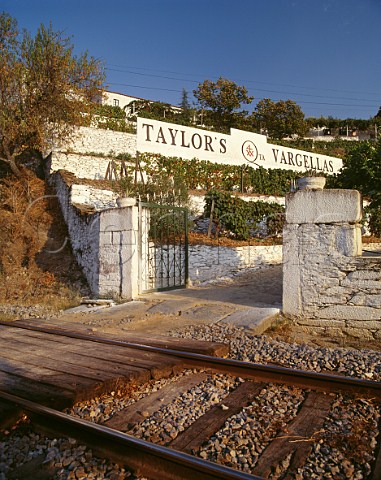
(118,253)
(322,229)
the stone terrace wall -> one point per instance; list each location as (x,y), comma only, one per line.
(104,243)
(197,202)
(327,284)
(75,155)
(83,166)
(98,140)
(83,230)
(208,263)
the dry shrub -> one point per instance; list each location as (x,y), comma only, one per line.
(27,212)
(21,216)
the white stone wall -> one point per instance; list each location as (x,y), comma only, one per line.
(208,263)
(93,197)
(118,253)
(197,202)
(89,152)
(327,284)
(83,166)
(104,243)
(100,141)
(84,233)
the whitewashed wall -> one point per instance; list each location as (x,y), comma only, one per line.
(92,197)
(84,166)
(328,285)
(197,202)
(104,243)
(83,231)
(209,263)
(89,152)
(100,141)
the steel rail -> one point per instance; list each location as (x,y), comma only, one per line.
(259,372)
(147,459)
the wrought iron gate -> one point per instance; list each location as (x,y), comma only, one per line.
(163,247)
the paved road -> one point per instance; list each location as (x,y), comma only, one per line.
(251,300)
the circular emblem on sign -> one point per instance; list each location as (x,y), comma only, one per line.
(249,151)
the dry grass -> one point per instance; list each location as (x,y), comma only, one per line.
(30,273)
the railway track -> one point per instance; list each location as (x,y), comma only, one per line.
(181,456)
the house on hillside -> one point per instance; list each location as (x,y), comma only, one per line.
(115,99)
(329,134)
(127,102)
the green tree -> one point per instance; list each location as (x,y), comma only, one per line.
(221,103)
(154,110)
(45,90)
(280,119)
(362,171)
(187,112)
(184,104)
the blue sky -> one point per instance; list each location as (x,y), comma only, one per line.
(323,54)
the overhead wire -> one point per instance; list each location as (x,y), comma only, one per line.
(250,91)
(302,102)
(240,80)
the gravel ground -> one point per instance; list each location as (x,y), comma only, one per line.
(364,364)
(165,424)
(245,435)
(72,460)
(346,444)
(348,437)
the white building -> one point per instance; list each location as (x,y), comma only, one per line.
(126,102)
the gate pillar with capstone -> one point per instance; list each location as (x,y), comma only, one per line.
(321,241)
(118,253)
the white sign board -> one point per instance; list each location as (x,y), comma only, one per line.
(238,148)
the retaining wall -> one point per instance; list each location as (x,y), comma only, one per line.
(327,284)
(104,243)
(83,230)
(209,262)
(100,141)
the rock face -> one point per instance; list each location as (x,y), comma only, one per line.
(327,284)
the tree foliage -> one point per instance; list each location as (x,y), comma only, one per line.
(362,171)
(222,101)
(279,119)
(187,112)
(45,90)
(341,126)
(241,218)
(154,110)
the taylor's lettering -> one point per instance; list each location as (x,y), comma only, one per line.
(173,135)
(183,140)
(238,148)
(160,136)
(148,138)
(198,141)
(208,143)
